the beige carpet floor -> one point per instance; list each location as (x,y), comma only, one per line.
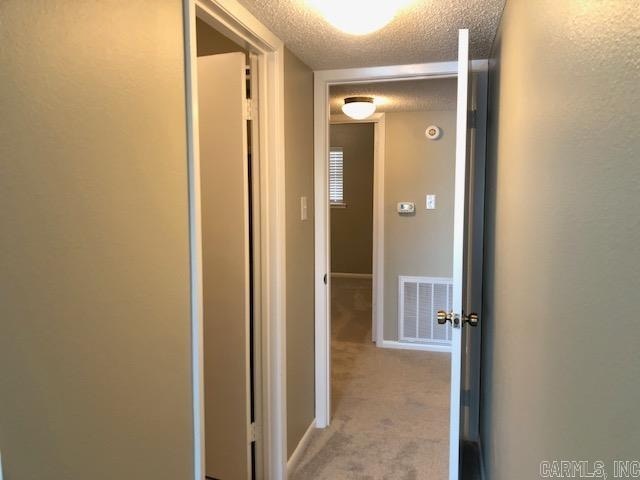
(390,407)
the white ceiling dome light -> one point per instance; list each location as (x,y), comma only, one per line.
(359,108)
(358,17)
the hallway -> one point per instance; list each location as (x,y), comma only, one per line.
(390,407)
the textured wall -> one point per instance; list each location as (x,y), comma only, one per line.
(419,244)
(399,95)
(95,377)
(298,86)
(352,227)
(560,359)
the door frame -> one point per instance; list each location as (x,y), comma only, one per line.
(233,20)
(377,260)
(323,79)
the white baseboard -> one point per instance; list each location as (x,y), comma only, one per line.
(414,346)
(351,275)
(302,444)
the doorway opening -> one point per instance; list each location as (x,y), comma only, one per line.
(432,279)
(390,359)
(236,170)
(231,261)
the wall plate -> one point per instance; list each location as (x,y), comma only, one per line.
(406,207)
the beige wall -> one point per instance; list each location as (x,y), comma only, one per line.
(95,324)
(211,42)
(560,360)
(298,86)
(420,244)
(352,227)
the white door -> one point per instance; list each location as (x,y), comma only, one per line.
(225,257)
(456,316)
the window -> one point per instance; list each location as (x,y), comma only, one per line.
(336,177)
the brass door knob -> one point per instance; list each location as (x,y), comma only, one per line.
(451,317)
(472,319)
(443,317)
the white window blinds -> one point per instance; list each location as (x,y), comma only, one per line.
(336,178)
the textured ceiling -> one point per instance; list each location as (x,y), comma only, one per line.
(401,96)
(424,31)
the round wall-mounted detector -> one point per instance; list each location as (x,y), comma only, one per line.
(432,132)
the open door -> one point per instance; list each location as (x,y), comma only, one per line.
(457,317)
(224,177)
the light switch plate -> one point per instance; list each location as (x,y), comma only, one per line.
(303,208)
(431,202)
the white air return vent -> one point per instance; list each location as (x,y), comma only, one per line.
(419,299)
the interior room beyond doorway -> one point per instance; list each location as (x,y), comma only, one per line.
(389,391)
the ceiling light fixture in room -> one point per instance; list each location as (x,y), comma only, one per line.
(358,17)
(359,108)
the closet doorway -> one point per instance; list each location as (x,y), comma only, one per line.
(234,119)
(229,257)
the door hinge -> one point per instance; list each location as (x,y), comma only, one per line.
(472,119)
(249,109)
(252,432)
